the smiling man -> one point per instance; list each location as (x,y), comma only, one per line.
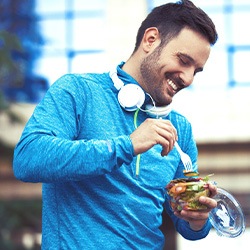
(164,68)
(101,153)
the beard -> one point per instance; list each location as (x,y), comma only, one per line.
(151,76)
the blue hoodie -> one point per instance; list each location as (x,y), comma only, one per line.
(77,144)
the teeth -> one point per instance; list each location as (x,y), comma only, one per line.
(171,83)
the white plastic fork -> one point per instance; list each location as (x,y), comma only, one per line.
(184,158)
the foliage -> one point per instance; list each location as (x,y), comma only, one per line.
(18,218)
(10,69)
(20,46)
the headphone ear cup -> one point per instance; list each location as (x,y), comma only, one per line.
(131,97)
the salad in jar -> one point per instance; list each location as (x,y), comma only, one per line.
(184,193)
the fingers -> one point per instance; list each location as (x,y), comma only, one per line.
(167,136)
(196,219)
(190,215)
(210,203)
(152,132)
(212,189)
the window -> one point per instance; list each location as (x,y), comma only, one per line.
(72,31)
(229,57)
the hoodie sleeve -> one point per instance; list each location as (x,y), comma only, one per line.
(49,150)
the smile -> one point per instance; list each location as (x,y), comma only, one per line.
(172,84)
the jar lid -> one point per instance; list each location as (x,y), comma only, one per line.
(227,218)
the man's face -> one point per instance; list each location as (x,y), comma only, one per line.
(165,71)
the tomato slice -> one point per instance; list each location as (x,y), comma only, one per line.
(178,188)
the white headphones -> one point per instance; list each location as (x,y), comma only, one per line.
(131,97)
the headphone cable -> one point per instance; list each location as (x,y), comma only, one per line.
(138,157)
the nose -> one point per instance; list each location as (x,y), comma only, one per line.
(187,76)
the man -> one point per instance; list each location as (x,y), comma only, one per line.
(103,160)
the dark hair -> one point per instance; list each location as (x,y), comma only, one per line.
(171,18)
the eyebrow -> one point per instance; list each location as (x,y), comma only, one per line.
(191,59)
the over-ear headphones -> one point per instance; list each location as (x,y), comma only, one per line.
(131,97)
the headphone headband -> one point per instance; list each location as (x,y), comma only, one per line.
(118,83)
(158,112)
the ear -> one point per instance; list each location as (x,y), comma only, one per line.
(151,39)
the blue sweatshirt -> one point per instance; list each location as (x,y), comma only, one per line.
(77,144)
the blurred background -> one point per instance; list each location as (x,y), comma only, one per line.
(41,40)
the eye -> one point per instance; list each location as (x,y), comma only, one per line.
(184,61)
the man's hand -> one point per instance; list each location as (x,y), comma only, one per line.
(152,132)
(197,219)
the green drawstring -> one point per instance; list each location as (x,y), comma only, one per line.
(138,158)
(135,118)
